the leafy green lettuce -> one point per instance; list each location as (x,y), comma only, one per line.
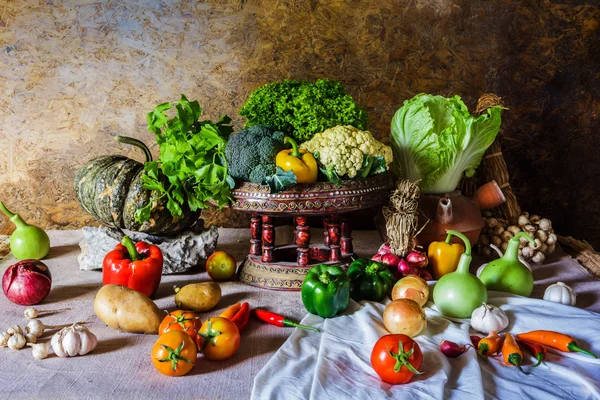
(192,158)
(436,139)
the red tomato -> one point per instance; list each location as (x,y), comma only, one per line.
(396,358)
(220,266)
(222,338)
(185,321)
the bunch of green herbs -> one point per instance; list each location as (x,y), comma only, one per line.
(192,157)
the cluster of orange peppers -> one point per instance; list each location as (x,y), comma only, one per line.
(534,342)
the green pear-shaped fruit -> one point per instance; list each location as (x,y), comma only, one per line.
(508,274)
(458,293)
(27,241)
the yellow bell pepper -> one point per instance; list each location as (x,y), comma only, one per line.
(300,162)
(444,257)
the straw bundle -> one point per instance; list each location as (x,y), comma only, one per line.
(401,217)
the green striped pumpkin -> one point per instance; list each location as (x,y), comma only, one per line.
(110,189)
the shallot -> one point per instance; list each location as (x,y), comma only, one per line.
(405,268)
(475,340)
(451,349)
(384,249)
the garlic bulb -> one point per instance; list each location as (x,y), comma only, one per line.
(73,340)
(30,313)
(14,329)
(35,327)
(30,338)
(16,341)
(560,293)
(488,318)
(498,232)
(4,336)
(40,350)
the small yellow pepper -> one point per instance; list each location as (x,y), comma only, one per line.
(300,162)
(444,257)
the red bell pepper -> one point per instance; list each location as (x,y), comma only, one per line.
(139,266)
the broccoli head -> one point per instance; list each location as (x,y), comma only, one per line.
(251,153)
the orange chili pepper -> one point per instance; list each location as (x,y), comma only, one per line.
(511,352)
(490,344)
(554,340)
(231,311)
(535,349)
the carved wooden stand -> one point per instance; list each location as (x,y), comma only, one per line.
(284,267)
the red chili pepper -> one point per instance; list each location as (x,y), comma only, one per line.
(279,320)
(535,349)
(139,266)
(242,317)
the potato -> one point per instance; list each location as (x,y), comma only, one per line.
(127,310)
(199,297)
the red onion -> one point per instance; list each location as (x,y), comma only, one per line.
(417,259)
(377,257)
(405,268)
(451,349)
(425,274)
(27,282)
(384,249)
(391,260)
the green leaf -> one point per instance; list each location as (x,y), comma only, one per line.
(152,183)
(378,166)
(143,214)
(281,180)
(332,176)
(174,208)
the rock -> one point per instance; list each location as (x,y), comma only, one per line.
(181,252)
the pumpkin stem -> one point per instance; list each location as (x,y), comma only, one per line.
(137,143)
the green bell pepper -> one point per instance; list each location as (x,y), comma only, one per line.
(326,291)
(369,280)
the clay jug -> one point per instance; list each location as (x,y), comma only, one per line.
(457,212)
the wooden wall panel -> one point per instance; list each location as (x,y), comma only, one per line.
(74,73)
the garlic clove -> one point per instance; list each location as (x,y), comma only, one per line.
(71,343)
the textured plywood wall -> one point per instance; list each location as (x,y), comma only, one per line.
(74,73)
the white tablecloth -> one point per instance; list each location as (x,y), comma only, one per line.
(336,364)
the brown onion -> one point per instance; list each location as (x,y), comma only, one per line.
(404,316)
(27,282)
(411,287)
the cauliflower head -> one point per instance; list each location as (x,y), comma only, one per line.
(344,148)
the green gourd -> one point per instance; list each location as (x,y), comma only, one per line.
(458,293)
(28,242)
(508,274)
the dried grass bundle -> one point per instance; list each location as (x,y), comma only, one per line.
(494,166)
(401,216)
